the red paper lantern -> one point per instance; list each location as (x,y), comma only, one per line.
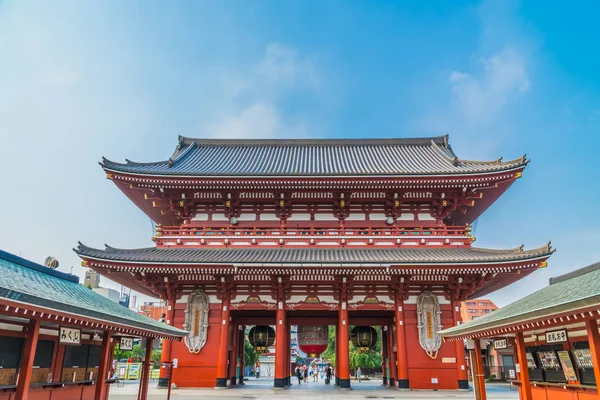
(313,339)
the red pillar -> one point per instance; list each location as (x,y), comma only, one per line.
(459,348)
(392,357)
(223,343)
(103,367)
(33,331)
(402,370)
(594,340)
(58,363)
(337,354)
(288,357)
(478,370)
(522,360)
(233,361)
(143,393)
(344,351)
(384,355)
(242,353)
(280,342)
(167,345)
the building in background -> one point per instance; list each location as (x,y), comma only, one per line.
(110,294)
(92,279)
(471,309)
(154,310)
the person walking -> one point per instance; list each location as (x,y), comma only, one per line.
(328,375)
(299,374)
(305,374)
(257,372)
(359,374)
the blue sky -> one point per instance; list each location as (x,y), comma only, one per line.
(82,80)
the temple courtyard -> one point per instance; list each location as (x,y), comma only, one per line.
(259,389)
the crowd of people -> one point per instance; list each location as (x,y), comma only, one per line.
(314,372)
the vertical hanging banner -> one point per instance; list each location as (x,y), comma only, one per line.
(429,323)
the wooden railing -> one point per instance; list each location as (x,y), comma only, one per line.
(172,231)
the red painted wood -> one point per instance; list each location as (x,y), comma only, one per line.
(392,354)
(400,340)
(223,339)
(103,366)
(524,374)
(594,340)
(344,350)
(33,331)
(280,343)
(145,371)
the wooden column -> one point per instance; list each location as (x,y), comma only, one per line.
(478,371)
(344,350)
(280,342)
(337,354)
(223,343)
(524,374)
(242,354)
(143,392)
(167,345)
(288,357)
(101,387)
(459,349)
(233,361)
(384,355)
(392,357)
(402,370)
(57,363)
(594,340)
(31,341)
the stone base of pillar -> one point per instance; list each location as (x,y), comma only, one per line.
(163,383)
(279,383)
(221,383)
(463,385)
(288,381)
(391,382)
(233,381)
(337,381)
(384,381)
(241,380)
(344,384)
(402,384)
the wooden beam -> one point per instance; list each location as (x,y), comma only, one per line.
(594,340)
(33,331)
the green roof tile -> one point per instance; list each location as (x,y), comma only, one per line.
(27,282)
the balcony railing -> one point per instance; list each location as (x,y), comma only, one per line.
(314,235)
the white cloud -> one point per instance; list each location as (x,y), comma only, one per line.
(251,101)
(481,97)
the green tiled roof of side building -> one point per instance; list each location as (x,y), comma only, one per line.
(573,291)
(26,282)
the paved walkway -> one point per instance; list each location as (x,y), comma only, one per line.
(259,389)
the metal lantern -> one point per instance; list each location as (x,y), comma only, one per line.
(261,337)
(313,339)
(364,338)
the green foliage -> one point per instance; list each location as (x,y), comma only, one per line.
(371,359)
(138,353)
(250,356)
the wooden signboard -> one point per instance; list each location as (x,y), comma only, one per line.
(69,336)
(556,336)
(501,344)
(126,343)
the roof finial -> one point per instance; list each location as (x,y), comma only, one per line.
(170,162)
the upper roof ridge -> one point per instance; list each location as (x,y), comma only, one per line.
(416,141)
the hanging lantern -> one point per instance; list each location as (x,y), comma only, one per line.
(313,339)
(261,337)
(364,338)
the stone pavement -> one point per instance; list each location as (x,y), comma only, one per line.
(259,389)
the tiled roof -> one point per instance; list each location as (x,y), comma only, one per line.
(27,282)
(327,157)
(311,255)
(573,291)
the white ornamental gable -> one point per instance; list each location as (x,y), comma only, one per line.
(429,323)
(196,321)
